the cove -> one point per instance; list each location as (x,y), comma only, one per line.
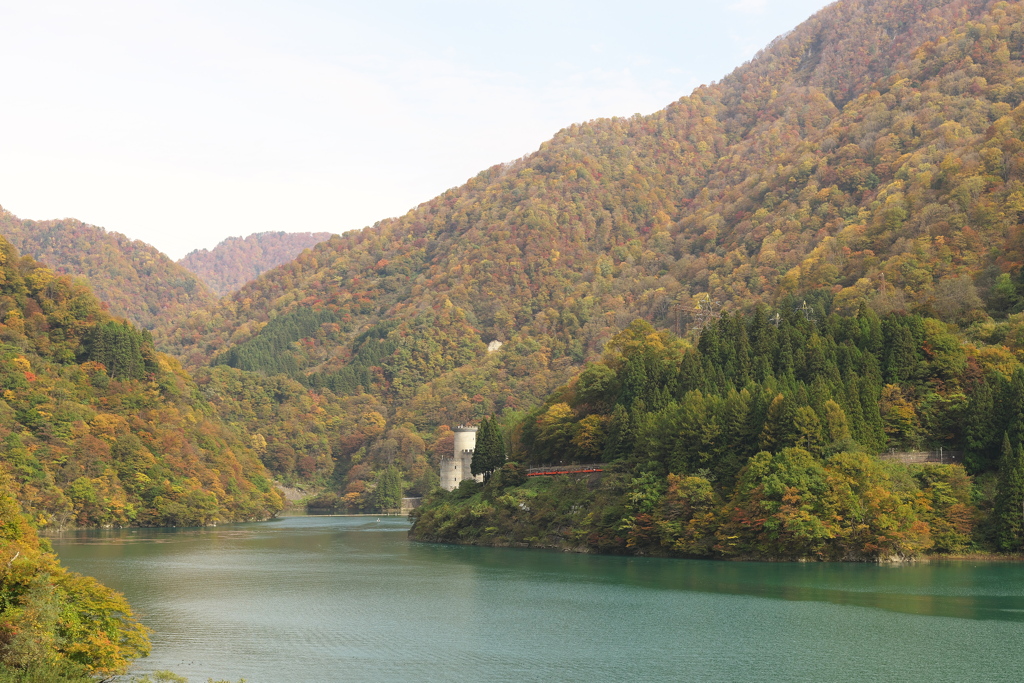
(323,599)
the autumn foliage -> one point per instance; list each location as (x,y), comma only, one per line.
(133,279)
(98,429)
(871,155)
(237,260)
(55,620)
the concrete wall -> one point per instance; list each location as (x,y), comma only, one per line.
(451,473)
(465,439)
(922,457)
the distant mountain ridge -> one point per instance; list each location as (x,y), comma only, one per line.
(238,260)
(134,279)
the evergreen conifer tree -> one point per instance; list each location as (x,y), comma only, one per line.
(980,430)
(1009,503)
(388,494)
(871,337)
(489,452)
(636,384)
(900,353)
(779,430)
(1015,408)
(691,374)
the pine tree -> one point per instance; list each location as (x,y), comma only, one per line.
(808,429)
(1009,503)
(489,452)
(871,337)
(388,494)
(836,427)
(779,430)
(1015,408)
(635,383)
(743,354)
(874,429)
(900,352)
(480,450)
(691,374)
(980,430)
(119,346)
(620,441)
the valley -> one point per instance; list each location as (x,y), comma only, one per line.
(733,305)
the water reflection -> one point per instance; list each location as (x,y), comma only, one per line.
(308,597)
(966,590)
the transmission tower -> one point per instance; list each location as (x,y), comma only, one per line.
(705,310)
(806,310)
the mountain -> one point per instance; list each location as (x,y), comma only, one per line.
(873,155)
(238,260)
(872,152)
(135,280)
(99,429)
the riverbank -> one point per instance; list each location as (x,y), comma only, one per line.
(788,506)
(974,557)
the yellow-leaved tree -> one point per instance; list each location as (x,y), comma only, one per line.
(52,619)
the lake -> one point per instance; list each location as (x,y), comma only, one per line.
(311,599)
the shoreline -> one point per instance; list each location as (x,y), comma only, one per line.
(584,550)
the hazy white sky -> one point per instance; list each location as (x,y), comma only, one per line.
(184,122)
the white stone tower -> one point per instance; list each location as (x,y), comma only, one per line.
(456,468)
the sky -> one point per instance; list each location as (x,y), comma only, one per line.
(181,123)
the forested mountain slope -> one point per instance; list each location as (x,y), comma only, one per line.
(134,279)
(874,153)
(97,428)
(238,260)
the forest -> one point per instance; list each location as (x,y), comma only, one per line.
(871,154)
(868,160)
(100,429)
(761,442)
(134,280)
(736,305)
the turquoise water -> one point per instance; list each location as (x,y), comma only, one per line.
(312,599)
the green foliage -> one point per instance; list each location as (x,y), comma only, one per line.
(388,493)
(269,351)
(511,474)
(371,348)
(489,452)
(46,672)
(1009,503)
(709,461)
(820,387)
(788,505)
(120,348)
